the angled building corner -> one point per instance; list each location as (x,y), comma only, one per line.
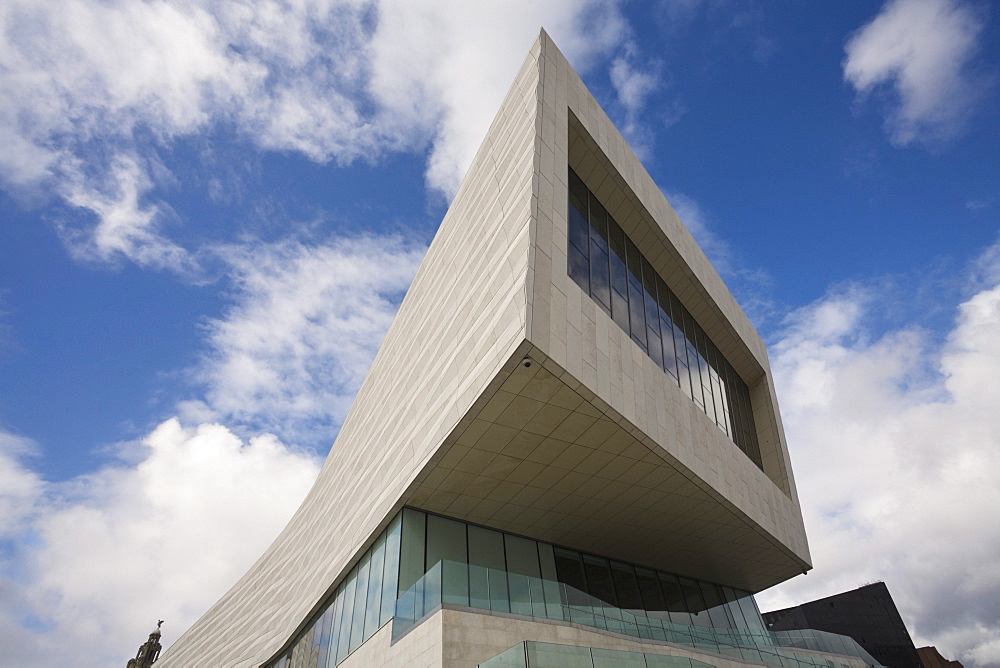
(569,435)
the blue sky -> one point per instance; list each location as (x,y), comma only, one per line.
(211,210)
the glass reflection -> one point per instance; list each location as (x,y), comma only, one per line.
(608,266)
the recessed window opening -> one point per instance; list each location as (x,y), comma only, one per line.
(608,266)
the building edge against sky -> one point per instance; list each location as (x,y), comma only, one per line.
(593,446)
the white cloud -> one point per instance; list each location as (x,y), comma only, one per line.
(921,50)
(750,286)
(633,85)
(90,91)
(169,527)
(291,352)
(18,486)
(447,65)
(896,448)
(125,226)
(101,557)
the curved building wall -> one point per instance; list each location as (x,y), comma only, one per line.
(503,395)
(458,325)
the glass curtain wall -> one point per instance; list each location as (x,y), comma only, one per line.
(608,266)
(530,654)
(359,607)
(422,560)
(428,539)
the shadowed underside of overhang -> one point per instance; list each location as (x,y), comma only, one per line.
(536,456)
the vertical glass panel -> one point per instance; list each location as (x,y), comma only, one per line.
(411,551)
(715,604)
(602,588)
(599,579)
(742,407)
(360,596)
(323,641)
(751,614)
(673,598)
(600,277)
(686,322)
(666,327)
(733,412)
(683,368)
(598,224)
(694,366)
(499,590)
(633,261)
(522,564)
(652,313)
(636,310)
(486,550)
(570,569)
(626,587)
(579,268)
(454,582)
(390,577)
(338,615)
(547,561)
(446,542)
(373,606)
(522,556)
(300,650)
(754,446)
(344,640)
(706,379)
(431,589)
(695,602)
(733,608)
(553,600)
(713,379)
(636,315)
(619,309)
(677,311)
(600,280)
(722,404)
(579,229)
(573,583)
(619,275)
(649,590)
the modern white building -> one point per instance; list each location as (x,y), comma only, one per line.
(568,448)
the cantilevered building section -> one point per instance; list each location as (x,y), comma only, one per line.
(568,444)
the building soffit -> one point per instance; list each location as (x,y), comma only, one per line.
(540,455)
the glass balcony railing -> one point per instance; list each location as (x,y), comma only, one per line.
(531,654)
(460,584)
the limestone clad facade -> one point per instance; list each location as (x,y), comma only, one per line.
(506,400)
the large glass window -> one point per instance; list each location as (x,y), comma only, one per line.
(608,266)
(695,602)
(522,568)
(362,603)
(486,552)
(453,562)
(626,586)
(673,596)
(411,552)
